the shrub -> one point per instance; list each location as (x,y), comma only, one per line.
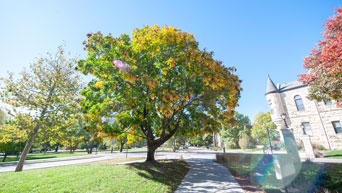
(245,142)
(317,146)
(300,145)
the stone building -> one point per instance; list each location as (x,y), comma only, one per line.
(321,121)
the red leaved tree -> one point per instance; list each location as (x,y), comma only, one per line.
(324,65)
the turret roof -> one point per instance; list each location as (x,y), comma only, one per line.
(270,86)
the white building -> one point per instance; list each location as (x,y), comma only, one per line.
(319,120)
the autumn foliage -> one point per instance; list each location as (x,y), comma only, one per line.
(154,84)
(324,65)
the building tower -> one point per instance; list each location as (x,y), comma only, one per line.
(276,104)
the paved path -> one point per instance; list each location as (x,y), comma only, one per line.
(205,175)
(56,162)
(326,160)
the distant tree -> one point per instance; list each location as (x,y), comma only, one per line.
(49,91)
(230,134)
(245,141)
(324,71)
(72,136)
(261,122)
(3,117)
(197,141)
(12,139)
(121,140)
(159,81)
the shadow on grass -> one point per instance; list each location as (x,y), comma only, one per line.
(338,156)
(44,157)
(168,172)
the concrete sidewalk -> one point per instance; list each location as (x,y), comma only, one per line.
(56,162)
(205,175)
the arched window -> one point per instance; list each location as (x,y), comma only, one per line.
(299,103)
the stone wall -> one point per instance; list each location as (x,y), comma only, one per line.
(318,114)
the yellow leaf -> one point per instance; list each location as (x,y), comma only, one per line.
(99,84)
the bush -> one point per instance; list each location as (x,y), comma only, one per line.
(245,142)
(230,145)
(300,145)
(317,146)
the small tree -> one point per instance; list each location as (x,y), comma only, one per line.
(3,117)
(12,139)
(231,133)
(201,140)
(324,71)
(261,122)
(121,140)
(49,92)
(245,141)
(157,82)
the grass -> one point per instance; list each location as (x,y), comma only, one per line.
(255,173)
(47,155)
(114,161)
(333,154)
(162,176)
(253,150)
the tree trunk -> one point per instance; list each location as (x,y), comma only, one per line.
(87,148)
(4,157)
(122,143)
(237,144)
(45,147)
(174,144)
(56,150)
(27,148)
(112,146)
(224,147)
(150,153)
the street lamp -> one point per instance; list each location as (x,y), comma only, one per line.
(302,126)
(283,116)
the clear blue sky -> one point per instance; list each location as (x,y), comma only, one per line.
(257,37)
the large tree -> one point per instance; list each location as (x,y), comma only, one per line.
(156,82)
(324,65)
(48,93)
(262,122)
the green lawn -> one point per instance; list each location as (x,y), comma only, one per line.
(333,154)
(77,153)
(45,155)
(114,161)
(162,176)
(255,172)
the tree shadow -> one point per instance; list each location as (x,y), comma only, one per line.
(168,172)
